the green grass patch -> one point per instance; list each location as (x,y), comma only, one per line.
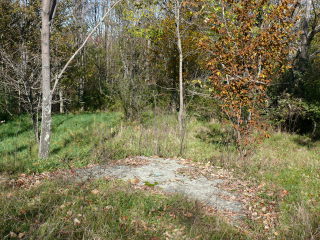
(292,162)
(159,136)
(78,140)
(73,138)
(104,210)
(284,161)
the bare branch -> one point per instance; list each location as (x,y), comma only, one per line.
(82,46)
(314,55)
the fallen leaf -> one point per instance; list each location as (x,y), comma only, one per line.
(95,191)
(9,195)
(12,235)
(37,182)
(76,221)
(107,208)
(23,211)
(284,193)
(188,214)
(134,181)
(107,178)
(21,235)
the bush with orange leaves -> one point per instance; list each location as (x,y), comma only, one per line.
(249,44)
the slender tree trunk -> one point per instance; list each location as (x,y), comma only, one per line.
(19,101)
(181,99)
(34,112)
(306,38)
(35,125)
(148,63)
(305,29)
(46,91)
(81,94)
(61,100)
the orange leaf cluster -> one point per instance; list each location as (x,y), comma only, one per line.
(249,46)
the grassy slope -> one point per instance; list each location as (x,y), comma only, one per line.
(73,138)
(105,210)
(283,161)
(293,163)
(78,140)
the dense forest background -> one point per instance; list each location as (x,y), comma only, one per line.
(131,63)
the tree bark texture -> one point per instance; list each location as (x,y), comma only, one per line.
(181,98)
(46,91)
(61,100)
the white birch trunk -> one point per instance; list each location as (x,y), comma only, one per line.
(61,101)
(46,91)
(181,98)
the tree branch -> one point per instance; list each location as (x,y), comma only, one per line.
(315,54)
(81,47)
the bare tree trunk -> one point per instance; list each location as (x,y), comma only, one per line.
(308,28)
(81,94)
(304,44)
(148,63)
(80,20)
(181,99)
(46,91)
(35,125)
(61,101)
(19,101)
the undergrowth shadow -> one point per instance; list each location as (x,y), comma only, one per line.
(11,131)
(16,150)
(63,121)
(216,135)
(305,141)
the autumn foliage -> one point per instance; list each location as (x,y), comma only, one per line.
(248,46)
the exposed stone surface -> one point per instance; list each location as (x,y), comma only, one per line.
(166,174)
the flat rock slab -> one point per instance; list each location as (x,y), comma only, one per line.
(165,174)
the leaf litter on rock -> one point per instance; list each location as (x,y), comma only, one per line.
(246,192)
